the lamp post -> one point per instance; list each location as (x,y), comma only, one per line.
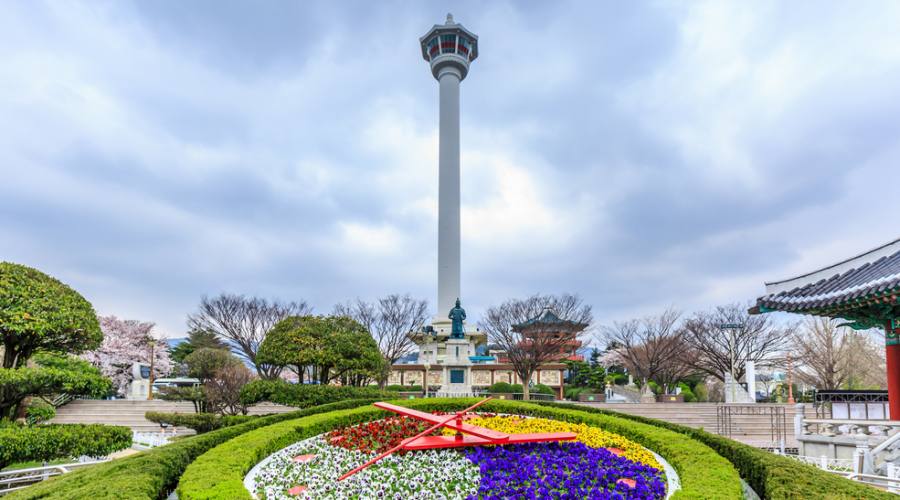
(152,356)
(427,366)
(790,380)
(731,327)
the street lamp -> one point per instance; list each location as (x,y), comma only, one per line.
(427,366)
(790,381)
(731,327)
(152,356)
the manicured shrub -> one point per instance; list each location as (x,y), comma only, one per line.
(403,388)
(51,374)
(193,394)
(25,443)
(200,422)
(771,476)
(500,388)
(305,396)
(39,411)
(219,473)
(701,392)
(152,474)
(543,389)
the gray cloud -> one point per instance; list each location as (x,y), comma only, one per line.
(643,155)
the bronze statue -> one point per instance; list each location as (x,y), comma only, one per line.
(457,315)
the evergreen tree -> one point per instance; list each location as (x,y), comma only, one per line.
(197,339)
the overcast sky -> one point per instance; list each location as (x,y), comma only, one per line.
(643,155)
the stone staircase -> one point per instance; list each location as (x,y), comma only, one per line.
(750,429)
(130,413)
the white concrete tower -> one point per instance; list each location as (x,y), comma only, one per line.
(450,49)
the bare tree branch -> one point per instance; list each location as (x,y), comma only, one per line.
(830,357)
(652,348)
(244,322)
(527,352)
(730,332)
(390,321)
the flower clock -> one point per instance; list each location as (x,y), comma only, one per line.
(385,459)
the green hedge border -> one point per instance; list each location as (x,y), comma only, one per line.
(50,442)
(219,473)
(771,476)
(153,474)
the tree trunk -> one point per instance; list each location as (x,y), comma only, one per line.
(526,377)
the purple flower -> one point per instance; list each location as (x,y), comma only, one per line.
(561,470)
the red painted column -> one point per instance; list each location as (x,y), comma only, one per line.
(892,356)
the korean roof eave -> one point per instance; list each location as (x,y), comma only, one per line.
(829,272)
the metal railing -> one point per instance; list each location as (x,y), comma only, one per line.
(17,479)
(516,396)
(825,463)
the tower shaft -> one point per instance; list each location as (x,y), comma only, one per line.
(448,195)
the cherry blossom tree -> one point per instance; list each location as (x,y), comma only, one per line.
(125,342)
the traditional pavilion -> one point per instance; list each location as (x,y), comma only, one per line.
(862,290)
(548,323)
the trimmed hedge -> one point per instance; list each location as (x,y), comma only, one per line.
(770,476)
(152,474)
(219,473)
(200,422)
(305,396)
(49,442)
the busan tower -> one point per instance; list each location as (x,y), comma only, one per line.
(450,49)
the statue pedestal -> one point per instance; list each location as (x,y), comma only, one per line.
(456,365)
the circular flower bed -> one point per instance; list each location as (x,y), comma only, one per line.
(597,465)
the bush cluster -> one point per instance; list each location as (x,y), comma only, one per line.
(504,388)
(403,388)
(770,475)
(572,393)
(305,396)
(21,443)
(219,473)
(200,422)
(154,473)
(507,388)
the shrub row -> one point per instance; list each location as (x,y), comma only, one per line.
(401,388)
(20,443)
(219,473)
(507,388)
(200,422)
(152,474)
(771,476)
(305,396)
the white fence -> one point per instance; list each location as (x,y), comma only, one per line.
(17,479)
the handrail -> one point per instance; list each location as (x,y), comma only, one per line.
(884,444)
(842,421)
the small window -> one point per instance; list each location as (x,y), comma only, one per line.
(433,46)
(448,44)
(464,45)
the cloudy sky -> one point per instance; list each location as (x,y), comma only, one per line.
(640,154)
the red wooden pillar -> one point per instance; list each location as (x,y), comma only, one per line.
(892,356)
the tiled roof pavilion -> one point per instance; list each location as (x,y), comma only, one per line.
(863,289)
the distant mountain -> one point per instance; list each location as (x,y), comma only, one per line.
(173,343)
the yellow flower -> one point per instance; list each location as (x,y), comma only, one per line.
(590,436)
